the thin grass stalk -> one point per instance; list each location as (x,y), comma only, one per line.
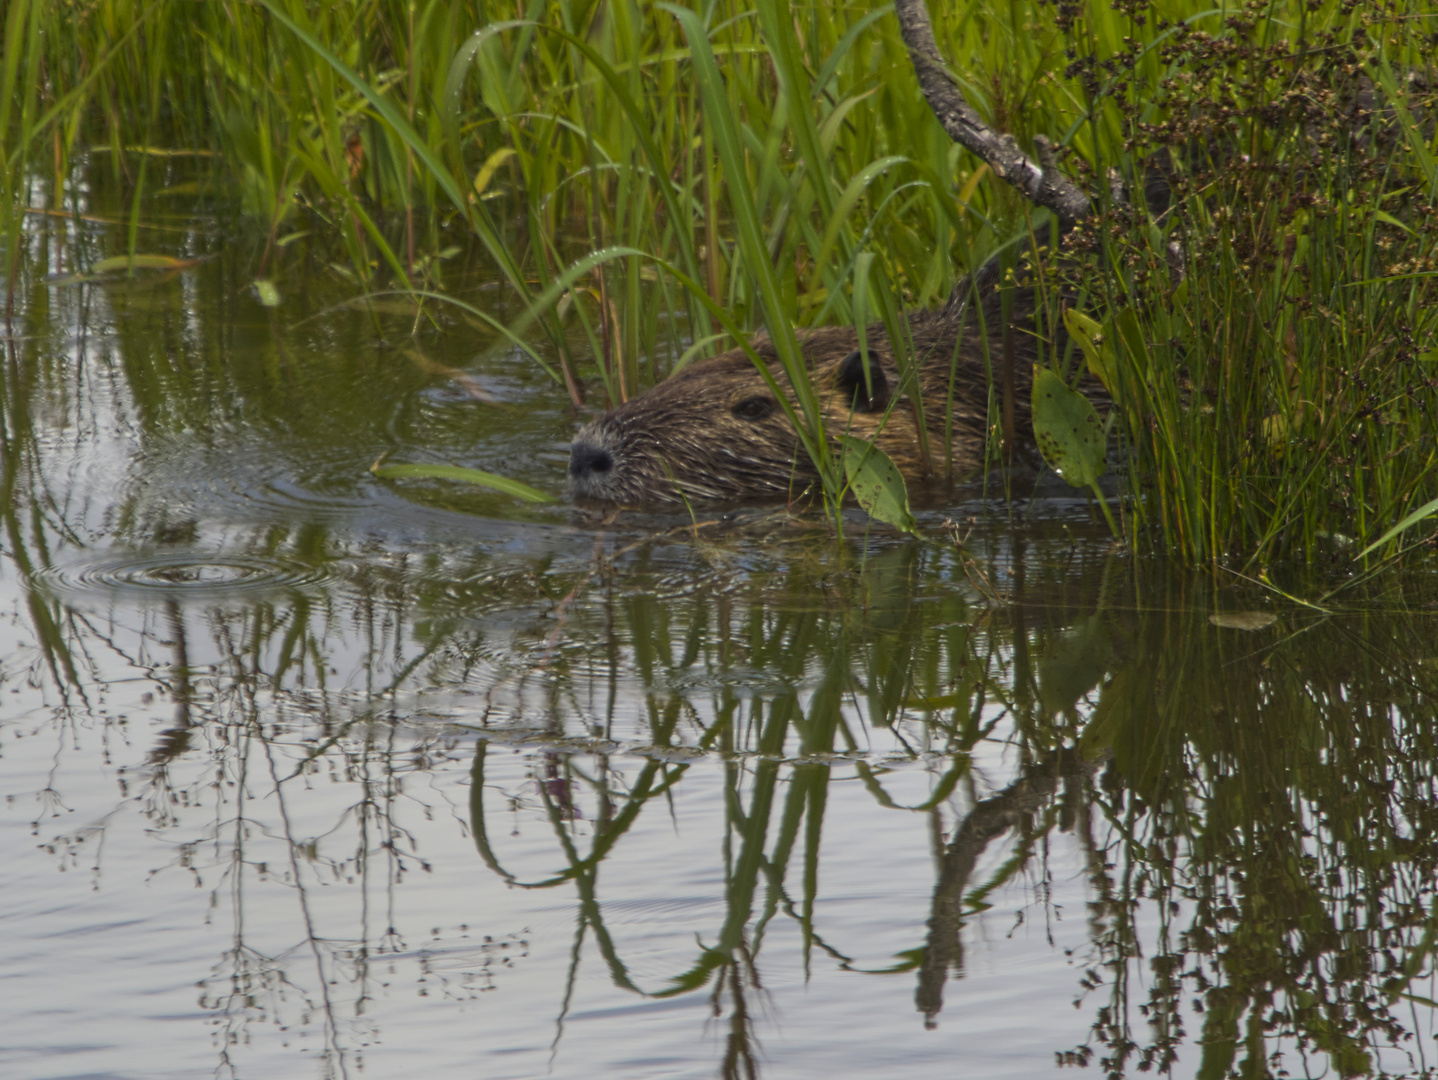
(808,421)
(17,107)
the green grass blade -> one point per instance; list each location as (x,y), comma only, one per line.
(755,251)
(401,127)
(463,476)
(1427,510)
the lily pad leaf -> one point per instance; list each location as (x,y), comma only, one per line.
(464,476)
(877,483)
(1068,430)
(1244,620)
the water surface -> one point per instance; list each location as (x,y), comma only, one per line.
(306,774)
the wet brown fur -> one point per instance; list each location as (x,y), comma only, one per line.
(699,435)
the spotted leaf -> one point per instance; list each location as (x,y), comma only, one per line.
(1067,429)
(877,483)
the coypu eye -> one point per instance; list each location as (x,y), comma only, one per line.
(754,408)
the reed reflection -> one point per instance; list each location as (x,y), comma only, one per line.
(1251,807)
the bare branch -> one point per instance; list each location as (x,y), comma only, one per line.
(1042,184)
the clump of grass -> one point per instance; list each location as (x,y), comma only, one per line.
(755,162)
(1283,388)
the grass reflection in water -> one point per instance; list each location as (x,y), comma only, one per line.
(1261,800)
(1250,810)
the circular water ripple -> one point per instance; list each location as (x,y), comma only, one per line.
(190,574)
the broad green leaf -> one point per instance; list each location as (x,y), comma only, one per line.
(1086,330)
(466,476)
(877,483)
(1098,353)
(1067,429)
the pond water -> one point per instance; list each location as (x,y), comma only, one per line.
(308,774)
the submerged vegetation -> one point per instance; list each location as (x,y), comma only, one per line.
(655,181)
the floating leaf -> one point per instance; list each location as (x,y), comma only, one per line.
(1243,620)
(266,293)
(1067,430)
(466,476)
(141,262)
(877,483)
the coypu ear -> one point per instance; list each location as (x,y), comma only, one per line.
(868,395)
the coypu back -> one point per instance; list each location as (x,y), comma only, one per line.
(714,431)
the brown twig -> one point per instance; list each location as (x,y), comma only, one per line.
(1040,181)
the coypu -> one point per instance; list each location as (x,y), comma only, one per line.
(715,432)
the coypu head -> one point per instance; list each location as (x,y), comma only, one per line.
(716,432)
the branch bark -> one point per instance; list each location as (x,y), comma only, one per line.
(1040,181)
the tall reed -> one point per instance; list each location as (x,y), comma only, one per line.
(655,182)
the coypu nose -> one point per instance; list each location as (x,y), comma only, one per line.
(586,459)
